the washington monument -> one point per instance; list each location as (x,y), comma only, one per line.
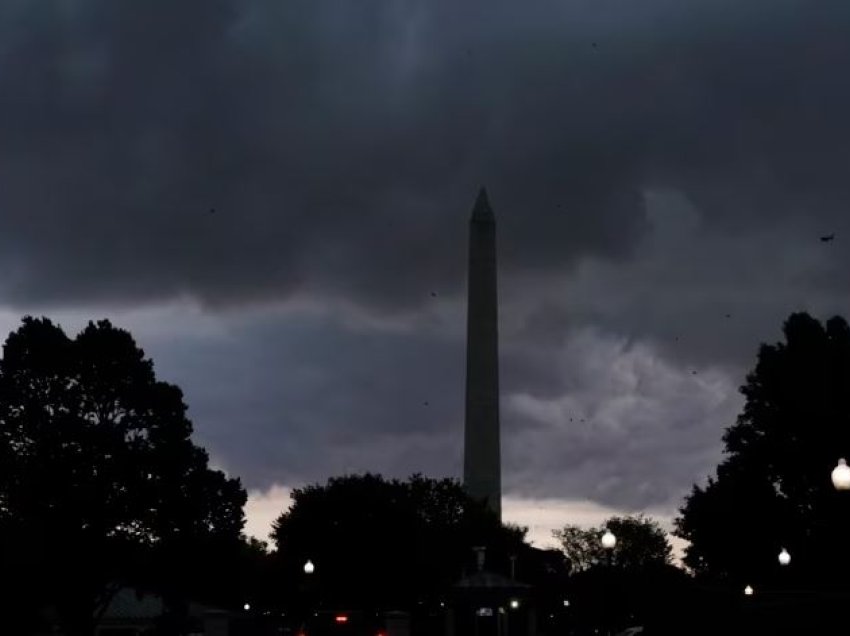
(482,470)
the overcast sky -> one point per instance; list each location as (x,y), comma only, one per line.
(274,198)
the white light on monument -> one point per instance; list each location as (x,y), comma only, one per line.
(309,568)
(784,557)
(841,475)
(609,541)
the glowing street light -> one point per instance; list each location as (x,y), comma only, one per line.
(784,557)
(309,568)
(609,542)
(748,591)
(841,475)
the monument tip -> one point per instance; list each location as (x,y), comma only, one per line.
(481,212)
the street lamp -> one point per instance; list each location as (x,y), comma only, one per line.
(841,475)
(308,591)
(841,482)
(748,591)
(609,542)
(784,557)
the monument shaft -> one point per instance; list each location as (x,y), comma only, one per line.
(482,471)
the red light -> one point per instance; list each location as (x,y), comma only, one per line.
(341,618)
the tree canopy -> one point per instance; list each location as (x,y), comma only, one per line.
(633,583)
(100,482)
(772,489)
(401,542)
(640,542)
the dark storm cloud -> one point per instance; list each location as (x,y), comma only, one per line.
(627,428)
(286,398)
(230,150)
(293,398)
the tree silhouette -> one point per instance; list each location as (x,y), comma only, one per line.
(640,542)
(387,543)
(100,483)
(581,546)
(632,583)
(773,489)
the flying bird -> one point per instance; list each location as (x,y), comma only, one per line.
(827,238)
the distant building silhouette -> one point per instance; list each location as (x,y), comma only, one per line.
(482,471)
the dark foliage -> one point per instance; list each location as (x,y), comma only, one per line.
(641,542)
(660,597)
(386,543)
(100,483)
(773,488)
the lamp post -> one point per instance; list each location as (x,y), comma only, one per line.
(309,569)
(841,482)
(784,558)
(608,542)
